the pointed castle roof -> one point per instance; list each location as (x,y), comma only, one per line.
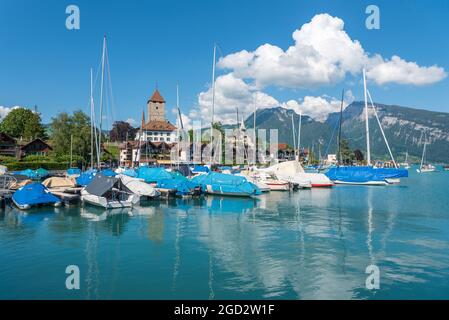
(157,97)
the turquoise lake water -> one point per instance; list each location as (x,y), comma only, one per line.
(311,244)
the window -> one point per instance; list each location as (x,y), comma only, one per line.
(162,138)
(156,139)
(168,139)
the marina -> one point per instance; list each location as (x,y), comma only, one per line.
(213,154)
(310,244)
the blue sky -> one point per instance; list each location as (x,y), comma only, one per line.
(165,42)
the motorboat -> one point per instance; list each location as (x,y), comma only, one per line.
(34,194)
(109,193)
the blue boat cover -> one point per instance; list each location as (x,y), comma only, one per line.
(85,178)
(167,180)
(29,173)
(226,183)
(42,173)
(130,172)
(153,174)
(200,169)
(364,174)
(73,171)
(33,194)
(108,173)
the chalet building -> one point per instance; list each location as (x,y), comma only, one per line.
(150,152)
(37,147)
(157,128)
(8,145)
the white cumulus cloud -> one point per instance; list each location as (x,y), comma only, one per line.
(323,54)
(318,108)
(5,110)
(397,70)
(231,93)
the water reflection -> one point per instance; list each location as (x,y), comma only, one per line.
(311,244)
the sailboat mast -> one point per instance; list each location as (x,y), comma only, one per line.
(71,149)
(101,98)
(213,99)
(339,130)
(423,152)
(91,122)
(255,133)
(368,150)
(179,122)
(299,135)
(293,131)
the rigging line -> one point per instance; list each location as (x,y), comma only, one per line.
(332,139)
(381,130)
(219,49)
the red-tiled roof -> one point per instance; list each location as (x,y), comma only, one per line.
(159,126)
(157,97)
(282,146)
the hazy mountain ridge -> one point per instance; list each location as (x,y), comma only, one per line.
(403,126)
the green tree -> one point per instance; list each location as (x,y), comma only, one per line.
(64,127)
(23,123)
(347,154)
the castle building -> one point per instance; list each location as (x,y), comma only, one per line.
(157,128)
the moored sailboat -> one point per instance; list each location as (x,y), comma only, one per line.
(367,175)
(423,167)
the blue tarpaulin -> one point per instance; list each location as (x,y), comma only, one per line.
(164,179)
(33,194)
(364,174)
(85,178)
(221,183)
(42,173)
(73,171)
(200,169)
(31,174)
(130,172)
(108,173)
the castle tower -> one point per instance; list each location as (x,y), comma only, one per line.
(156,107)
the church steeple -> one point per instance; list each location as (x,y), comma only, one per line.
(156,107)
(157,97)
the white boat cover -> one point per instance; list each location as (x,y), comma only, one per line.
(138,186)
(292,171)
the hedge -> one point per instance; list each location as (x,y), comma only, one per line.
(49,165)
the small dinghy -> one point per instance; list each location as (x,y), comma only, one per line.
(109,193)
(138,186)
(34,194)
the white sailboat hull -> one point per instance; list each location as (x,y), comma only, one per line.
(367,183)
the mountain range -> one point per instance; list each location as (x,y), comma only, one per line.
(406,130)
